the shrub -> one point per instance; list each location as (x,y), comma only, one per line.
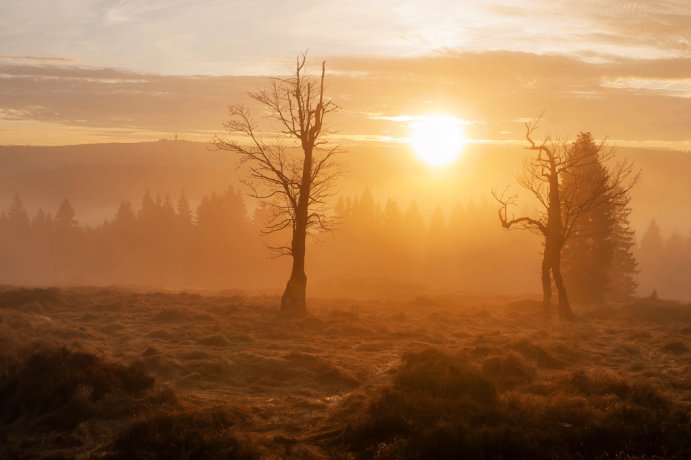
(506,371)
(57,389)
(182,435)
(441,406)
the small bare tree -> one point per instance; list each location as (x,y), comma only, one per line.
(559,211)
(294,172)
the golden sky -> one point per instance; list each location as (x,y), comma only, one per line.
(73,71)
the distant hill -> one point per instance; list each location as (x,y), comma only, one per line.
(96,177)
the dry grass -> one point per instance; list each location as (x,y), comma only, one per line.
(96,373)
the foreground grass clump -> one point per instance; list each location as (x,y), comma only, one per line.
(72,403)
(183,435)
(442,406)
(57,389)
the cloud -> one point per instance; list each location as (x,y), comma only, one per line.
(663,24)
(626,99)
(668,87)
(116,16)
(251,36)
(36,59)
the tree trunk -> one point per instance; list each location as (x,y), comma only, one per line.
(294,301)
(565,312)
(555,241)
(546,284)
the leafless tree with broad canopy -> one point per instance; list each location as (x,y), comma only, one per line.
(292,170)
(558,211)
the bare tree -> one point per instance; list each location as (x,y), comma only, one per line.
(293,172)
(560,211)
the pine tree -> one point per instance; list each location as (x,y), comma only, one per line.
(17,217)
(587,256)
(42,222)
(624,267)
(125,218)
(64,218)
(147,215)
(184,212)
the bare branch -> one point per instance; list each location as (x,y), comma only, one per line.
(296,184)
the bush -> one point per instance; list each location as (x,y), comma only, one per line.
(441,406)
(57,389)
(182,435)
(506,371)
(441,375)
(17,298)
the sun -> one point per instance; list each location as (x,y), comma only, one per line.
(437,140)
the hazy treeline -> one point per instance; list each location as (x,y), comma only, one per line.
(218,244)
(464,249)
(161,243)
(168,243)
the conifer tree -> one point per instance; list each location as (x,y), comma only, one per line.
(64,218)
(587,255)
(17,217)
(184,212)
(624,267)
(563,209)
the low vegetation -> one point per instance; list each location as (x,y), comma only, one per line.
(442,406)
(203,434)
(118,374)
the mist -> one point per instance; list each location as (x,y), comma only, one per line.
(345,230)
(433,231)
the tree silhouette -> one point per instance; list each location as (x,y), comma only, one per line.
(295,173)
(64,218)
(125,218)
(184,213)
(587,255)
(624,267)
(561,211)
(17,217)
(42,222)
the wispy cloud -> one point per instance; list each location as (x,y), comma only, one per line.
(625,99)
(669,87)
(36,59)
(253,36)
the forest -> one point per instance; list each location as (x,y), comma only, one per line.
(218,244)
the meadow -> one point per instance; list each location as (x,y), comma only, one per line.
(116,373)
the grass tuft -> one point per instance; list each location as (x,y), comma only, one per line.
(57,389)
(183,435)
(441,406)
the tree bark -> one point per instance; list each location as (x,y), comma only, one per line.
(564,309)
(293,301)
(546,284)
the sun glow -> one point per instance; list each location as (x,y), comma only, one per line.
(437,139)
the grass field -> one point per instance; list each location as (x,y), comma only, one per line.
(95,373)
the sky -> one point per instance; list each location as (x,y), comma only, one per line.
(75,71)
